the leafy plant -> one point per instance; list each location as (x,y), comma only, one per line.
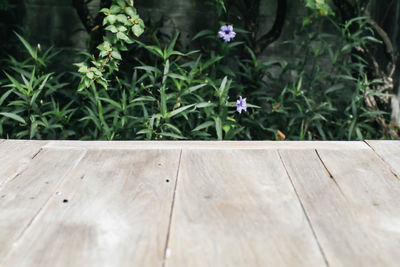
(29,106)
(124,24)
(152,88)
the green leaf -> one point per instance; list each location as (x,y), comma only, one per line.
(223,86)
(116,54)
(90,75)
(130,11)
(153,49)
(196,87)
(111,19)
(211,62)
(179,110)
(112,102)
(123,19)
(28,47)
(145,131)
(13,116)
(334,88)
(122,28)
(203,126)
(172,135)
(115,9)
(111,28)
(205,104)
(17,85)
(5,95)
(218,127)
(143,99)
(123,36)
(176,76)
(137,30)
(203,33)
(173,128)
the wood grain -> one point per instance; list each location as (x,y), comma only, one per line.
(22,198)
(389,151)
(78,203)
(238,209)
(372,194)
(15,155)
(114,210)
(341,232)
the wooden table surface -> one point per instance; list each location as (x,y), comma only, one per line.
(94,204)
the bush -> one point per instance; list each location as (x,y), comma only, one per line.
(134,90)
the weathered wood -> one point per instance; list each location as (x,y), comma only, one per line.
(341,232)
(238,208)
(389,151)
(235,203)
(22,198)
(15,155)
(372,194)
(113,210)
(209,145)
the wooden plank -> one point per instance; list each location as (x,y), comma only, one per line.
(335,145)
(15,155)
(372,194)
(238,209)
(389,151)
(341,232)
(22,198)
(117,213)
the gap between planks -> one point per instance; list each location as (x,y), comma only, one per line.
(166,249)
(32,156)
(305,212)
(329,173)
(43,208)
(383,160)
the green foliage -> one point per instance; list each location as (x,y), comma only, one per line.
(124,24)
(154,89)
(327,100)
(171,99)
(28,105)
(321,6)
(318,8)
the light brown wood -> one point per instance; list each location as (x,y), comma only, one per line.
(235,203)
(15,156)
(372,194)
(22,198)
(334,145)
(117,213)
(341,232)
(238,208)
(389,151)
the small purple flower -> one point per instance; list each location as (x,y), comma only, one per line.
(226,32)
(241,105)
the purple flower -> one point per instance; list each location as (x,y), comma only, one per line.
(226,32)
(241,105)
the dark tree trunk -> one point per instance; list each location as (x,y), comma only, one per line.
(93,24)
(276,29)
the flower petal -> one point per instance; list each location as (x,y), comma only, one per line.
(224,28)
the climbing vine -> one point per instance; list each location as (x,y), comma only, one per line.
(122,24)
